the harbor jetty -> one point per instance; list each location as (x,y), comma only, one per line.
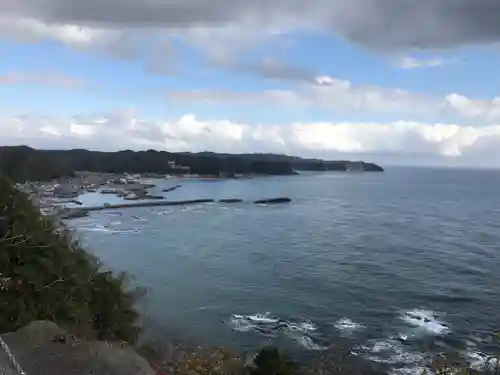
(76,212)
(273,200)
(58,198)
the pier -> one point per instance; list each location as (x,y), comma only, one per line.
(76,212)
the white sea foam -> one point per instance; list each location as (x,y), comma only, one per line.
(409,335)
(262,318)
(479,360)
(393,353)
(307,327)
(255,322)
(164,212)
(425,320)
(268,325)
(105,229)
(382,346)
(482,361)
(239,323)
(95,228)
(395,350)
(348,326)
(308,343)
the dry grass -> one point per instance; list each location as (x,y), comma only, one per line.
(216,361)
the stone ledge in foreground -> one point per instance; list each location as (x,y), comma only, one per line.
(35,350)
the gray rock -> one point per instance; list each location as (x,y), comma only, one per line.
(38,352)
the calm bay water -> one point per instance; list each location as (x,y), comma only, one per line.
(386,263)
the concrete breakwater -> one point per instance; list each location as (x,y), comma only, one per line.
(76,212)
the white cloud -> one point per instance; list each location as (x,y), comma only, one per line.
(335,94)
(82,130)
(125,129)
(486,110)
(408,63)
(50,130)
(330,94)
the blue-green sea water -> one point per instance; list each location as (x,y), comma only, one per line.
(386,263)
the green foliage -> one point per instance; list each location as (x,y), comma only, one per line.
(46,275)
(269,361)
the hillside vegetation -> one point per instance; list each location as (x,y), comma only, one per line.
(23,163)
(46,275)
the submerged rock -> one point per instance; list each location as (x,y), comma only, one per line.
(74,214)
(157,197)
(231,200)
(171,188)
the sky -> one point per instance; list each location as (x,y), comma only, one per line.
(398,82)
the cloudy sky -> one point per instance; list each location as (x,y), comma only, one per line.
(391,81)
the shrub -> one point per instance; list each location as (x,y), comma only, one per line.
(46,275)
(269,361)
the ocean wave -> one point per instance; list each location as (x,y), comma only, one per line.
(307,342)
(401,358)
(425,320)
(107,229)
(348,326)
(194,207)
(396,351)
(268,325)
(239,323)
(163,212)
(480,360)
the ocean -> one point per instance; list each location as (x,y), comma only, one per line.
(395,266)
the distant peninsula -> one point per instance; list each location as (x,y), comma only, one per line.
(23,163)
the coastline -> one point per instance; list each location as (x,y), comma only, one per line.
(298,358)
(48,164)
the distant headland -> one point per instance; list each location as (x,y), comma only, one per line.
(23,163)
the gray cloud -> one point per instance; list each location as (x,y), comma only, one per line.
(42,79)
(271,68)
(163,58)
(374,23)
